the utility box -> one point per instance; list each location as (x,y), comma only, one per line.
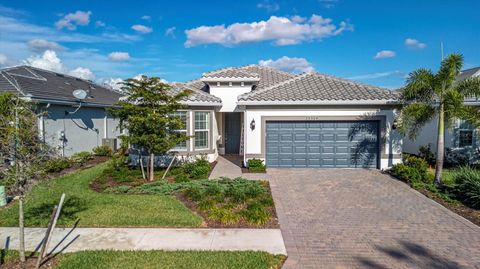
(110,142)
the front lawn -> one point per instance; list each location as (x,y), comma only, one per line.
(94,209)
(161,259)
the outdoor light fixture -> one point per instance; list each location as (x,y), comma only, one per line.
(252,124)
(394,124)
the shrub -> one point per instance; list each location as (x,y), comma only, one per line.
(462,156)
(256,214)
(182,177)
(413,170)
(224,215)
(198,169)
(118,161)
(57,165)
(103,151)
(467,185)
(256,165)
(425,152)
(81,157)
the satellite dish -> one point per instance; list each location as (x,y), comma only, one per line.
(79,94)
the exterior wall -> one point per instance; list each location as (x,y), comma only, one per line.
(229,94)
(83,130)
(429,134)
(391,140)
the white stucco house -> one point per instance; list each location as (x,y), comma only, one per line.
(462,135)
(290,120)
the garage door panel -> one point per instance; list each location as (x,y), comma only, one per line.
(322,144)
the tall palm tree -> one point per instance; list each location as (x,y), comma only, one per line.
(427,95)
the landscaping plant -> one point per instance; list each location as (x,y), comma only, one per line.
(428,95)
(256,165)
(146,113)
(467,185)
(103,150)
(413,170)
(81,157)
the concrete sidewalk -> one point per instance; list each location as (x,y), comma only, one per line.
(78,239)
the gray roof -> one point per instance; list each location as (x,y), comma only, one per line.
(318,88)
(468,73)
(198,95)
(46,85)
(229,73)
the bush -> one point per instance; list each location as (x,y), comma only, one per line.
(256,165)
(103,151)
(198,169)
(467,185)
(182,177)
(57,164)
(256,214)
(425,152)
(81,157)
(413,170)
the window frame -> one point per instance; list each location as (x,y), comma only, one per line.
(460,144)
(183,149)
(207,129)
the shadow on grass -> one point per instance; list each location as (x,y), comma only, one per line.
(411,254)
(40,215)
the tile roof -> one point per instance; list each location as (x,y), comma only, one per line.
(315,87)
(468,73)
(230,72)
(198,96)
(42,84)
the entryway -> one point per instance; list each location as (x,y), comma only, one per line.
(232,132)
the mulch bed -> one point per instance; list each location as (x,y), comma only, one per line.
(30,263)
(471,214)
(75,167)
(208,223)
(247,171)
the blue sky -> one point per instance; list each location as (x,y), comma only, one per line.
(375,42)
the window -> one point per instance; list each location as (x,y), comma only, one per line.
(202,130)
(465,138)
(183,116)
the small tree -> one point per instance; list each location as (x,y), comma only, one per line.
(147,115)
(21,146)
(427,95)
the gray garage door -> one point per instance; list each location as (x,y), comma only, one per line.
(322,144)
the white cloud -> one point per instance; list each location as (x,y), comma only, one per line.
(50,61)
(170,32)
(146,17)
(281,30)
(82,72)
(114,83)
(39,45)
(3,59)
(376,75)
(142,28)
(118,56)
(293,65)
(414,43)
(100,24)
(384,54)
(72,20)
(268,5)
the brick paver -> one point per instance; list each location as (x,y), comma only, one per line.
(332,218)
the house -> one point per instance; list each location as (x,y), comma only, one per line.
(290,120)
(462,135)
(65,123)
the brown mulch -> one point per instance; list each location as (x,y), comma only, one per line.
(75,167)
(208,223)
(471,214)
(247,171)
(30,263)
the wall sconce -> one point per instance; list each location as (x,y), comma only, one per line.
(394,124)
(252,124)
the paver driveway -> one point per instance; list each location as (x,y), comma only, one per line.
(363,218)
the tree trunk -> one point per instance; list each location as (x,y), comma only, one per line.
(152,162)
(21,226)
(440,146)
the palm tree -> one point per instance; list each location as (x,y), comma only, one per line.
(427,95)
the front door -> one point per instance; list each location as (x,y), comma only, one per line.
(232,133)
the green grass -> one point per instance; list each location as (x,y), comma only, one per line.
(169,259)
(98,209)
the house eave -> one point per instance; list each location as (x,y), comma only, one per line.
(64,102)
(201,103)
(225,79)
(319,102)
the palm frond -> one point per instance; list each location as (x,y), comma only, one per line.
(471,114)
(469,87)
(420,86)
(413,117)
(453,105)
(449,69)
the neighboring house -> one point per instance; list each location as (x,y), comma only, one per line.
(67,125)
(288,120)
(461,136)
